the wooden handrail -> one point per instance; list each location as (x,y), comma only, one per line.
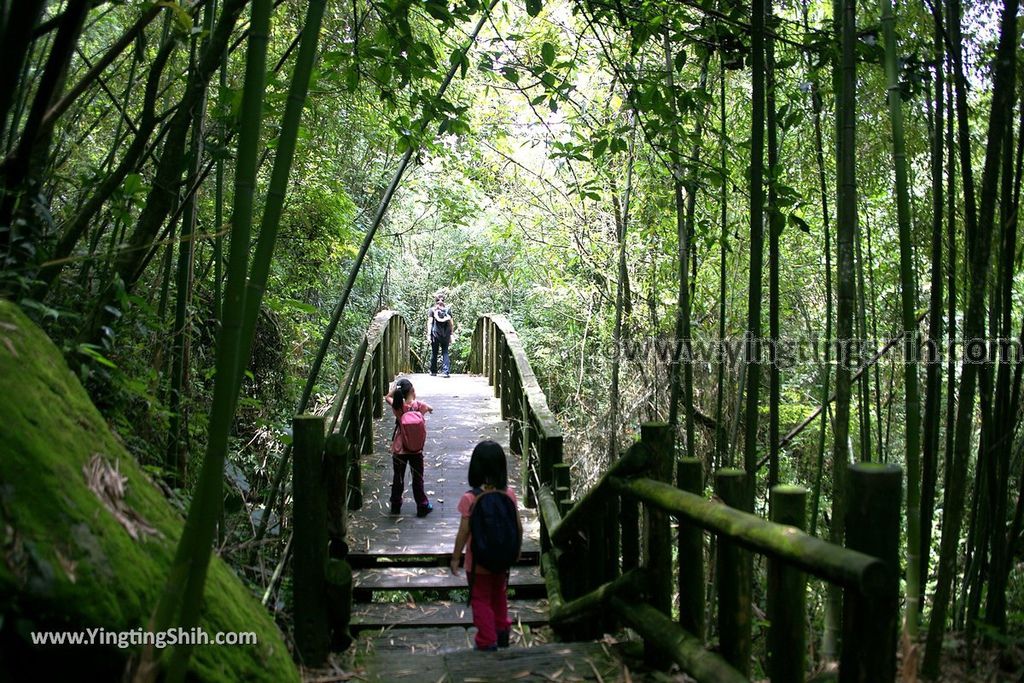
(383,353)
(535,435)
(825,560)
(328,481)
(636,460)
(596,542)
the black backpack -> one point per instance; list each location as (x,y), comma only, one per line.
(496,536)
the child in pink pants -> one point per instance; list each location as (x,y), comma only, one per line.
(488,471)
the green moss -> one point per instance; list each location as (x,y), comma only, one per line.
(68,563)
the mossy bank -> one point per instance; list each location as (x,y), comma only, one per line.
(87,538)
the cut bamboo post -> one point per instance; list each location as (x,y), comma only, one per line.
(690,477)
(309,521)
(734,571)
(630,517)
(336,469)
(376,374)
(338,576)
(787,593)
(870,623)
(657,437)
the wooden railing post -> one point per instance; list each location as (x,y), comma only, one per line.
(870,623)
(499,367)
(690,477)
(562,489)
(630,534)
(529,461)
(353,438)
(336,475)
(492,352)
(309,515)
(508,384)
(376,382)
(787,588)
(550,456)
(338,573)
(367,413)
(515,430)
(658,437)
(734,569)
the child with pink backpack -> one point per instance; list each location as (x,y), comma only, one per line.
(407,446)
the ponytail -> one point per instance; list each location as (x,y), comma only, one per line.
(402,389)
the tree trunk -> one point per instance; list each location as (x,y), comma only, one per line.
(979,247)
(908,300)
(775,224)
(753,342)
(933,378)
(846,227)
(723,248)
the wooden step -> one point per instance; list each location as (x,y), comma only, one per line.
(446,654)
(369,615)
(430,578)
(424,555)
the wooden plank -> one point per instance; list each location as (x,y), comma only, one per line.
(420,578)
(403,615)
(430,655)
(549,662)
(464,414)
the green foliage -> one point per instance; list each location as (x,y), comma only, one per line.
(88,537)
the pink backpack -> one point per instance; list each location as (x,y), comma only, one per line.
(411,429)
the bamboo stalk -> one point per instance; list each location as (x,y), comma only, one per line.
(184,588)
(908,301)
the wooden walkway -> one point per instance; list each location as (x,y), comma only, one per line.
(393,555)
(446,655)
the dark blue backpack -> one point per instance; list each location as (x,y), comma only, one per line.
(494,526)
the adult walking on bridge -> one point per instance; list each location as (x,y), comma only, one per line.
(440,330)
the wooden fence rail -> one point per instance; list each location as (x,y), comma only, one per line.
(497,352)
(593,585)
(327,482)
(607,558)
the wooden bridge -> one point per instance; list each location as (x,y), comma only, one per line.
(592,563)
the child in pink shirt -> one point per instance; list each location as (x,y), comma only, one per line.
(488,471)
(403,399)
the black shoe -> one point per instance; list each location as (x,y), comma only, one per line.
(433,374)
(424,510)
(447,375)
(491,648)
(396,508)
(503,638)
